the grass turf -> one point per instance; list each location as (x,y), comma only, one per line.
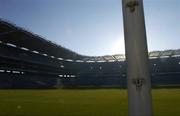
(90,102)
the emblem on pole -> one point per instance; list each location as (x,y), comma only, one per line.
(131,5)
(138,82)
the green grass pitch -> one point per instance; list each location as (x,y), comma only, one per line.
(77,102)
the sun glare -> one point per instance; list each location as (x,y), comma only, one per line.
(118,45)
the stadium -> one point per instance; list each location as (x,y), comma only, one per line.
(31,61)
(71,60)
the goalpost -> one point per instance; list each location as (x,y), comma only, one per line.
(138,77)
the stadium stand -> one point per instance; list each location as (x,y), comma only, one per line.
(44,64)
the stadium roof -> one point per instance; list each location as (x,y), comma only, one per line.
(15,36)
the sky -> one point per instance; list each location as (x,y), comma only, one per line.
(93,27)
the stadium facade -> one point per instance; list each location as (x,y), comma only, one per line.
(30,61)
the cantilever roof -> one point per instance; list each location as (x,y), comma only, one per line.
(9,33)
(19,37)
(166,53)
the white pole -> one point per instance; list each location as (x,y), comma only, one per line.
(139,84)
